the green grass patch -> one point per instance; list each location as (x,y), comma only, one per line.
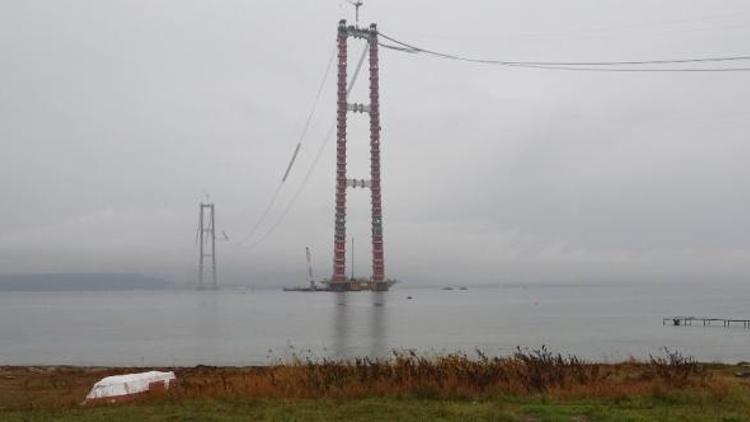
(683,408)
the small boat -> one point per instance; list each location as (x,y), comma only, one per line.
(122,388)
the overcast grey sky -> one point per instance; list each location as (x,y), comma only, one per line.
(116,116)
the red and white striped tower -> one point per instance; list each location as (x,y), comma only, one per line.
(378,259)
(338,280)
(339,248)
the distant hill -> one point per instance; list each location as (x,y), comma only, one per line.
(80,282)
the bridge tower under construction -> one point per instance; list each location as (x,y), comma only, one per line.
(339,281)
(206,238)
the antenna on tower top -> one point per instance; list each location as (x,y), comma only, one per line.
(357,4)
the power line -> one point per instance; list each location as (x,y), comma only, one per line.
(601,66)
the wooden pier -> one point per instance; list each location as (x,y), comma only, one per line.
(688,320)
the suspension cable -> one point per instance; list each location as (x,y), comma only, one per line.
(303,135)
(318,156)
(601,66)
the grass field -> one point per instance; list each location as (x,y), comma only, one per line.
(528,386)
(677,407)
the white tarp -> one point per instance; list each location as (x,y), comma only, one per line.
(123,385)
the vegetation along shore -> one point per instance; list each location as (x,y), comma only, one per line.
(530,385)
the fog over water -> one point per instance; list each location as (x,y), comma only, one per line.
(117,117)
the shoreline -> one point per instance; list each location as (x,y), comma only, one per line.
(526,386)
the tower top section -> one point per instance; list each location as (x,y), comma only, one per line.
(369,34)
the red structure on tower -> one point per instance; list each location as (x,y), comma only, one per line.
(339,281)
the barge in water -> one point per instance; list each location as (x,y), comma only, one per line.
(352,285)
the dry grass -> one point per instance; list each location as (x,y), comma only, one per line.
(525,373)
(455,375)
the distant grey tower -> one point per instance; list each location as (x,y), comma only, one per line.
(207,241)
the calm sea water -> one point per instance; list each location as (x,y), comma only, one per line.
(601,322)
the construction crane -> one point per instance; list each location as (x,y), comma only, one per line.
(309,269)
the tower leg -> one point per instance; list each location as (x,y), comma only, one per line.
(378,260)
(339,248)
(201,231)
(214,282)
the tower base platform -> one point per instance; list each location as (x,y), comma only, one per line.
(356,285)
